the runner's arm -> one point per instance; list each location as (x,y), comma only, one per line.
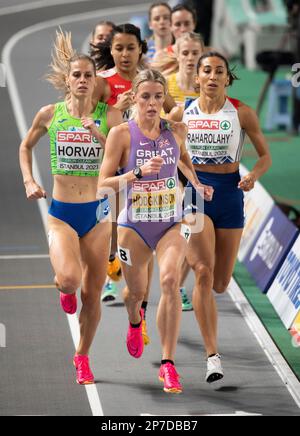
(250,123)
(117,142)
(114,117)
(176,114)
(37,130)
(169,104)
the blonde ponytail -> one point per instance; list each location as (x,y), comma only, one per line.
(63,56)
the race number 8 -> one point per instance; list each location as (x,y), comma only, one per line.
(124,255)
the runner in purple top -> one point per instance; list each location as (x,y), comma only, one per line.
(151,216)
(149,150)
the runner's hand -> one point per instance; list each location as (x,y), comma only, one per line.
(247,183)
(125,101)
(205,191)
(34,191)
(89,124)
(153,166)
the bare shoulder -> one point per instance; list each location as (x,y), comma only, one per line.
(120,132)
(247,115)
(45,114)
(99,92)
(179,128)
(176,114)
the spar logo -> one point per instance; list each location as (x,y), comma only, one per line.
(155,185)
(171,183)
(225,125)
(204,125)
(75,137)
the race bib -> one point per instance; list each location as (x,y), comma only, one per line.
(124,255)
(154,200)
(78,151)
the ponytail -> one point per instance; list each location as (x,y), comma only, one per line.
(62,58)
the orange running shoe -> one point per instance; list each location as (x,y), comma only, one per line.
(83,370)
(145,335)
(169,376)
(114,270)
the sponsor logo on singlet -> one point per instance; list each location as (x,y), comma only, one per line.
(209,138)
(204,124)
(154,200)
(209,125)
(78,150)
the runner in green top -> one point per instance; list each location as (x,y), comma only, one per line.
(79,245)
(74,150)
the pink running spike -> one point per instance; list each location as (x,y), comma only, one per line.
(170,377)
(68,303)
(135,342)
(84,373)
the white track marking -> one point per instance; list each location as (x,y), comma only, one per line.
(238,413)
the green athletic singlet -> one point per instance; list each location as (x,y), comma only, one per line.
(74,150)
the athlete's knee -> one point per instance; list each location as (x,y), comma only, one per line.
(220,286)
(134,294)
(204,274)
(68,284)
(169,281)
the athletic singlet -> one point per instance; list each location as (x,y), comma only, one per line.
(153,198)
(118,86)
(74,150)
(179,95)
(214,139)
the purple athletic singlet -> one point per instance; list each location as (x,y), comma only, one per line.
(154,203)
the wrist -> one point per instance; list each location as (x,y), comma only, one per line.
(138,173)
(101,138)
(27,181)
(254,176)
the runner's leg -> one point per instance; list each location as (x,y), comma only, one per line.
(94,246)
(171,251)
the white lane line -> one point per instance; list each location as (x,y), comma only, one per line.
(238,413)
(91,390)
(7,10)
(265,341)
(25,256)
